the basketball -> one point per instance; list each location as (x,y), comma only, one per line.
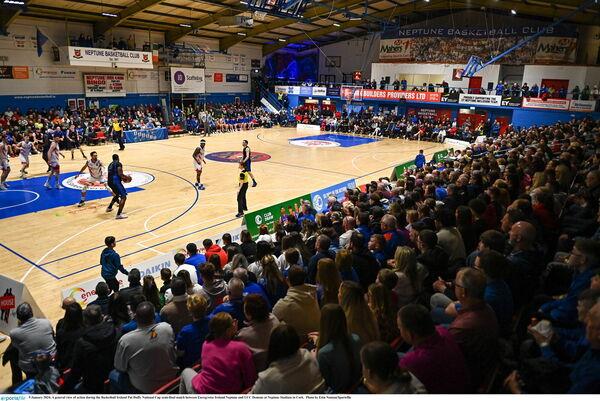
(127,178)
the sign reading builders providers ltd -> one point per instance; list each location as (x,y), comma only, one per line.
(187,80)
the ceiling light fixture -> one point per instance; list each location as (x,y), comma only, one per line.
(14,2)
(336,24)
(282,40)
(185,25)
(241,33)
(111,15)
(244,2)
(513,12)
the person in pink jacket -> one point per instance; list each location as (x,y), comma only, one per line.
(227,365)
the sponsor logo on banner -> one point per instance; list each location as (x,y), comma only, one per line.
(415,96)
(281,89)
(457,143)
(293,90)
(269,215)
(144,135)
(583,105)
(236,157)
(395,49)
(187,80)
(319,91)
(449,97)
(512,101)
(551,104)
(218,77)
(314,143)
(55,73)
(81,181)
(555,50)
(10,72)
(319,198)
(480,100)
(104,85)
(141,75)
(333,92)
(236,78)
(306,90)
(93,57)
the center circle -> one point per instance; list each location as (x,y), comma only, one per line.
(79,182)
(314,143)
(236,157)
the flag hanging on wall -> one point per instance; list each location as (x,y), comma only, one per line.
(40,40)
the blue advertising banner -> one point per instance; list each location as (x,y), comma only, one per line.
(306,90)
(319,198)
(333,92)
(143,135)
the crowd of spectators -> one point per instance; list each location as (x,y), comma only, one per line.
(477,274)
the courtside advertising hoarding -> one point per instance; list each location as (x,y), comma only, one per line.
(549,104)
(269,215)
(319,198)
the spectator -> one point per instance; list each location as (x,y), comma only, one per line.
(213,289)
(176,312)
(214,249)
(234,304)
(68,330)
(181,265)
(497,293)
(135,287)
(322,247)
(102,299)
(194,258)
(380,302)
(150,291)
(363,261)
(191,336)
(328,281)
(360,319)
(227,366)
(248,246)
(343,263)
(249,286)
(272,281)
(292,370)
(410,276)
(111,264)
(449,237)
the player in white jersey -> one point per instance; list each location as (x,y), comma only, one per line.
(96,169)
(4,162)
(198,157)
(53,154)
(25,147)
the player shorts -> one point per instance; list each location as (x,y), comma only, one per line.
(248,165)
(4,164)
(118,188)
(24,159)
(198,166)
(95,181)
(55,167)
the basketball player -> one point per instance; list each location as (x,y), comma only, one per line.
(4,162)
(73,142)
(242,189)
(115,183)
(198,160)
(25,147)
(53,154)
(246,160)
(96,169)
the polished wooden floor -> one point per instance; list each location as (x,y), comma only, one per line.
(168,207)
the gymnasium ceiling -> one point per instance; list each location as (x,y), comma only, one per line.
(324,22)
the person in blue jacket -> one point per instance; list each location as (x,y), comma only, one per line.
(111,264)
(420,159)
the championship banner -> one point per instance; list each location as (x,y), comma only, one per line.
(550,104)
(58,73)
(104,85)
(319,91)
(319,198)
(583,105)
(187,80)
(10,72)
(144,135)
(92,57)
(395,49)
(480,100)
(269,215)
(512,101)
(555,50)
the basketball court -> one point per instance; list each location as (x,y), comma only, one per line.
(50,244)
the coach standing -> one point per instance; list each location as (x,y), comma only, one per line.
(243,187)
(111,264)
(420,160)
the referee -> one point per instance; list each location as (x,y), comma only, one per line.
(243,187)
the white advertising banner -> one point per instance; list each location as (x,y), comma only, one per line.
(319,91)
(142,75)
(395,49)
(308,129)
(187,80)
(85,292)
(457,143)
(92,57)
(583,105)
(555,50)
(551,104)
(281,89)
(58,73)
(480,100)
(104,85)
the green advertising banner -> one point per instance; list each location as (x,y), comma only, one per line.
(442,155)
(270,215)
(400,169)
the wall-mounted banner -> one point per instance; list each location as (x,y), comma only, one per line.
(142,75)
(553,50)
(236,78)
(333,92)
(480,100)
(144,135)
(10,72)
(395,49)
(551,104)
(319,91)
(319,198)
(583,105)
(187,80)
(306,90)
(58,73)
(450,97)
(413,96)
(93,57)
(104,85)
(512,101)
(351,93)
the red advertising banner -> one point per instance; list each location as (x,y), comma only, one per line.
(414,96)
(552,104)
(438,114)
(218,77)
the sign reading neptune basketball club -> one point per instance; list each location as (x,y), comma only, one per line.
(187,80)
(319,198)
(93,57)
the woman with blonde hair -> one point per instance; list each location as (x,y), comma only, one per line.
(380,302)
(192,335)
(328,281)
(272,280)
(410,275)
(343,262)
(360,318)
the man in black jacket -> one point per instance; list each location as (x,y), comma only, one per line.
(93,354)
